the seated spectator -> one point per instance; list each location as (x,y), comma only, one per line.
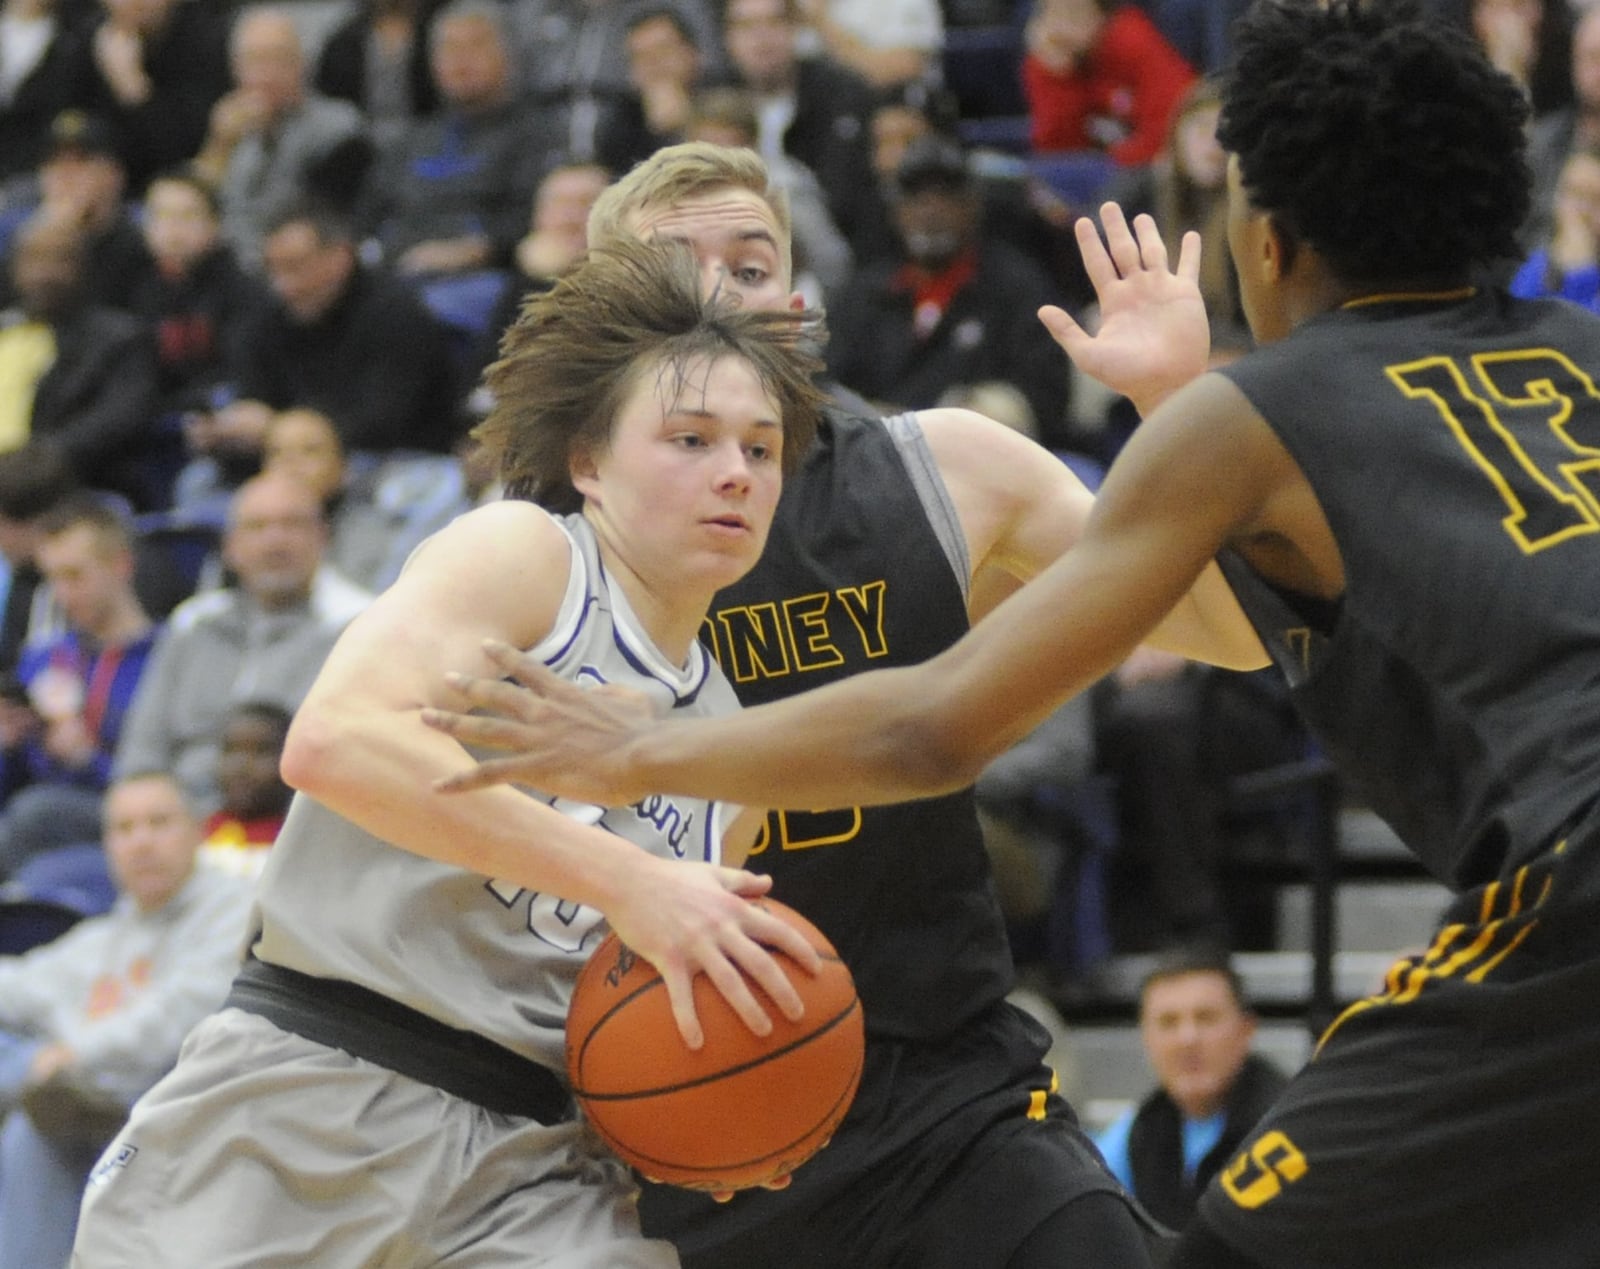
(1554,136)
(886,44)
(814,109)
(1098,75)
(1211,1090)
(452,198)
(956,309)
(1568,264)
(91,1019)
(78,685)
(263,638)
(194,295)
(557,235)
(666,69)
(33,481)
(376,58)
(82,181)
(255,799)
(73,372)
(362,534)
(157,67)
(43,62)
(272,140)
(347,339)
(572,60)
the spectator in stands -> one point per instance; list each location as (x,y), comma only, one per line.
(157,68)
(272,140)
(377,60)
(666,69)
(814,109)
(76,373)
(1197,1030)
(347,339)
(1568,264)
(367,539)
(42,62)
(194,295)
(452,198)
(956,309)
(33,480)
(1099,75)
(82,181)
(557,235)
(78,684)
(263,638)
(573,60)
(255,799)
(886,44)
(1562,132)
(93,1018)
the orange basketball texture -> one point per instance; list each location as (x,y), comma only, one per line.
(742,1110)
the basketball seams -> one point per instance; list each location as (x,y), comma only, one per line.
(726,1072)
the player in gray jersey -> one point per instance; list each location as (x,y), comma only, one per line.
(384,1085)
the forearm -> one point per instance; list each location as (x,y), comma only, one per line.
(376,767)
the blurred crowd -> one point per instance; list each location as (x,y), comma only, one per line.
(255,259)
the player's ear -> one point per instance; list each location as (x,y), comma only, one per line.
(583,472)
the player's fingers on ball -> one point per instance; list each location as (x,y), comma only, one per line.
(722,1196)
(768,974)
(773,932)
(778,1182)
(681,995)
(727,979)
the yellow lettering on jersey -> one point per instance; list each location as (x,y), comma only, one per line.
(802,830)
(1299,640)
(865,606)
(752,644)
(1526,390)
(770,641)
(1259,1174)
(814,648)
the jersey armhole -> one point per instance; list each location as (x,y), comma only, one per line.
(912,445)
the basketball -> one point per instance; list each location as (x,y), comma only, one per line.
(744,1109)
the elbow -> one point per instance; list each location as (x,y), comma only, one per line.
(932,754)
(310,753)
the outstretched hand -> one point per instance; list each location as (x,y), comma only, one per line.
(559,737)
(1153,336)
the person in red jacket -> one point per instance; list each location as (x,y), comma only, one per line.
(1099,75)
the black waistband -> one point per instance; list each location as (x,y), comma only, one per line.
(376,1029)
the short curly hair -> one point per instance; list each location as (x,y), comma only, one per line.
(569,361)
(1385,141)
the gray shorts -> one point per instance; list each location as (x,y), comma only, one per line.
(264,1149)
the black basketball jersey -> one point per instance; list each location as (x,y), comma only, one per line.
(854,578)
(1454,446)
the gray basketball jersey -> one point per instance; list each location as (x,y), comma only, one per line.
(474,953)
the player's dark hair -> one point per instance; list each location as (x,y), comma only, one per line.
(1384,140)
(625,310)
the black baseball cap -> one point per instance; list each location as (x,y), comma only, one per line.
(83,133)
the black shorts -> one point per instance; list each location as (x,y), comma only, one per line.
(1453,1120)
(949,1158)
